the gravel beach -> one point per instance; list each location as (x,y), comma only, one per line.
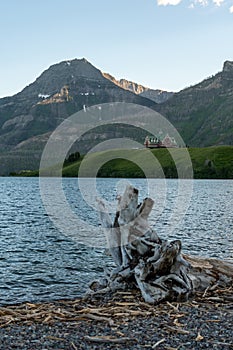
(120,321)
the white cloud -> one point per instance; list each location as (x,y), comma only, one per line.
(218,2)
(202,2)
(194,3)
(168,2)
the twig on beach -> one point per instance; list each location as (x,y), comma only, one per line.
(107,339)
(158,343)
(173,306)
(74,346)
(205,292)
(97,318)
(176,329)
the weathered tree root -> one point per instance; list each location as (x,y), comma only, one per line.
(155,266)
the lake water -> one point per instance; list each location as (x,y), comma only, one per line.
(40,261)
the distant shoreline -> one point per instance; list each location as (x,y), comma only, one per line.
(215,162)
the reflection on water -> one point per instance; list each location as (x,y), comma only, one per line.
(37,262)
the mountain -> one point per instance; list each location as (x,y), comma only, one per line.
(158,96)
(203,113)
(28,118)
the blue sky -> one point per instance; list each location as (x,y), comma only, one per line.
(166,44)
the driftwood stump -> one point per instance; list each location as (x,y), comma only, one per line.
(145,261)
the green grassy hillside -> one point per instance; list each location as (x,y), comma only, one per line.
(207,163)
(210,162)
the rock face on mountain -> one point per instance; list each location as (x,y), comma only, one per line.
(158,96)
(228,66)
(203,113)
(28,118)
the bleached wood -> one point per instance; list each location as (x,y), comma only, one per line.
(156,266)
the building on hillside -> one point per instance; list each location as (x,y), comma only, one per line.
(152,142)
(169,142)
(155,142)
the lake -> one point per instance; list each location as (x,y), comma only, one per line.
(45,255)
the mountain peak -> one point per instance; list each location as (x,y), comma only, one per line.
(73,62)
(228,66)
(64,73)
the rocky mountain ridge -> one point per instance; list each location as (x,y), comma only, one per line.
(158,96)
(203,113)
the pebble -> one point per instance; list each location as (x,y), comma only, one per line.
(206,326)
